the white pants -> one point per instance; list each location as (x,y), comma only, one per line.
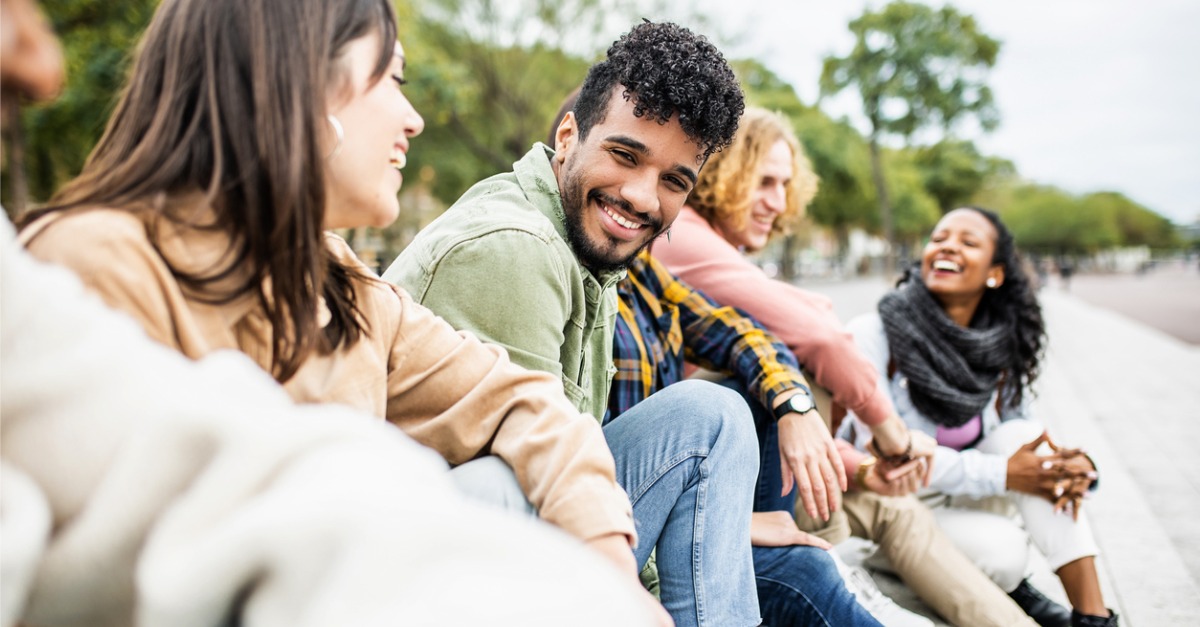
(986,530)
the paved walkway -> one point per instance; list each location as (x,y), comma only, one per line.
(1130,395)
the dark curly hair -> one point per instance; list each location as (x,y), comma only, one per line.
(1013,304)
(666,69)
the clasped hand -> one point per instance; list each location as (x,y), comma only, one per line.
(901,480)
(902,477)
(1061,477)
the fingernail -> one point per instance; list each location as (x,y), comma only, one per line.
(1047,465)
(1058,490)
(1092,474)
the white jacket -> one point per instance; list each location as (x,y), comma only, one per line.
(969,471)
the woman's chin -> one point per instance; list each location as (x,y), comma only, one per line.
(387,217)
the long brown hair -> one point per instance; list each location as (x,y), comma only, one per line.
(227,97)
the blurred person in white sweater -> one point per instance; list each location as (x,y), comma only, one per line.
(140,487)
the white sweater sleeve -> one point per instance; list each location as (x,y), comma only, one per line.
(968,472)
(157,490)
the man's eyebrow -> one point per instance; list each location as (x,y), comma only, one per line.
(631,143)
(638,146)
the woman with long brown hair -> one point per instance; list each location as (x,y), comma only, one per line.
(247,130)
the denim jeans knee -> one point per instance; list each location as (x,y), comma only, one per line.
(800,585)
(688,458)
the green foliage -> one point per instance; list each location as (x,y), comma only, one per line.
(98,39)
(841,158)
(914,66)
(483,107)
(488,77)
(845,199)
(914,209)
(953,171)
(1137,225)
(763,88)
(1048,220)
(838,153)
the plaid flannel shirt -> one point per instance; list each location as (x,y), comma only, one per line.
(661,322)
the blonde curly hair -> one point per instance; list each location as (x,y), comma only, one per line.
(726,184)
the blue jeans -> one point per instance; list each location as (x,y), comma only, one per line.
(687,456)
(767,497)
(797,585)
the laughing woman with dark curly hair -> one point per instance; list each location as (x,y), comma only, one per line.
(958,345)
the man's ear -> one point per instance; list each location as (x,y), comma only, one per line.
(566,136)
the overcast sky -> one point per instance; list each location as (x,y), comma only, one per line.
(1094,95)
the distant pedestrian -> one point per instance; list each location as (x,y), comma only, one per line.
(1066,268)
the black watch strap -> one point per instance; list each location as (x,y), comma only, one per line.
(800,403)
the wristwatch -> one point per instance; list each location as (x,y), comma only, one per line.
(800,403)
(864,467)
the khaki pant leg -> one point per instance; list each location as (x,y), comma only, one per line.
(928,562)
(834,531)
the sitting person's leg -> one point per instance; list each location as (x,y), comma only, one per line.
(768,492)
(926,559)
(994,543)
(1068,544)
(800,585)
(491,481)
(779,572)
(688,459)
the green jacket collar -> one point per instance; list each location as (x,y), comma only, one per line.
(536,176)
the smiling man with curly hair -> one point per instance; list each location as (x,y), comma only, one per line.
(530,260)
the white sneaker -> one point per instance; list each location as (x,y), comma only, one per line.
(885,610)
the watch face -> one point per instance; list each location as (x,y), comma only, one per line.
(801,403)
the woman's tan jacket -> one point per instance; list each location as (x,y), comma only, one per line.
(444,388)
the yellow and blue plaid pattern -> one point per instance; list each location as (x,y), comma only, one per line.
(662,322)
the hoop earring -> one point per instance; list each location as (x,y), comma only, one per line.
(339,132)
(991,282)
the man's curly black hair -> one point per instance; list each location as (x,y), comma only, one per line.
(666,69)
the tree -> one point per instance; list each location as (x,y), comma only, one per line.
(914,67)
(841,158)
(489,75)
(98,39)
(954,171)
(766,89)
(1136,225)
(1048,220)
(915,210)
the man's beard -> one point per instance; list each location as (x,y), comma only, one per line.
(601,257)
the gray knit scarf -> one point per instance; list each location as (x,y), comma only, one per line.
(952,371)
